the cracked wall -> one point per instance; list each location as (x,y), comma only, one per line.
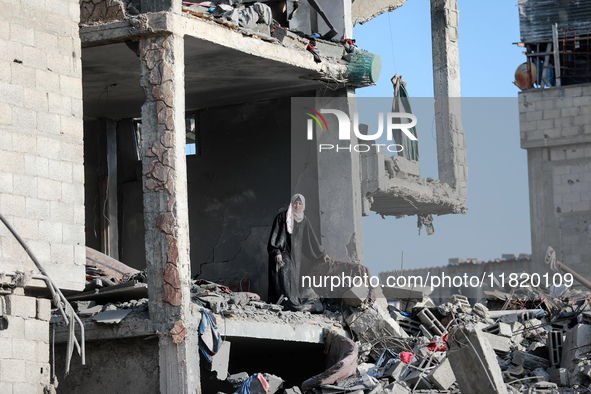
(236,187)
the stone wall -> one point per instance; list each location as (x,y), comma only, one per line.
(42,173)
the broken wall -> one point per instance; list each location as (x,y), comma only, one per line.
(113,366)
(236,186)
(24,344)
(42,174)
(555,129)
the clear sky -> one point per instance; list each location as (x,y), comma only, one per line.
(497,221)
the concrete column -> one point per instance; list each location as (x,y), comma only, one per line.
(339,14)
(451,143)
(161,5)
(166,210)
(339,188)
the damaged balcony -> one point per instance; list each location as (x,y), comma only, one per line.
(222,66)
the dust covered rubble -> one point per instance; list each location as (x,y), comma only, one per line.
(532,343)
(528,342)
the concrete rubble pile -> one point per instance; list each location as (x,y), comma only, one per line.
(456,347)
(400,342)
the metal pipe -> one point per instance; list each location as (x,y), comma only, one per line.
(575,275)
(79,346)
(52,287)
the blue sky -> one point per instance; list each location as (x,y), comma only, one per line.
(497,221)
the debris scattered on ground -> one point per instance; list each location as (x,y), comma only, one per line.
(529,340)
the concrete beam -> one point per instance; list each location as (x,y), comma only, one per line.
(470,350)
(451,142)
(280,331)
(135,27)
(365,10)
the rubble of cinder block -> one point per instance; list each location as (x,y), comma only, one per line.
(525,342)
(533,345)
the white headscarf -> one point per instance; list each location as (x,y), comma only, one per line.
(293,215)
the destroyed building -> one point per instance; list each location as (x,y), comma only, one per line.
(555,125)
(148,130)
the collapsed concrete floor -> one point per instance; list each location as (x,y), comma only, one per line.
(530,340)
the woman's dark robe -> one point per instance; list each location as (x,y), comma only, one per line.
(284,278)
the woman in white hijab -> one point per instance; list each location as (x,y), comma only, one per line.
(291,237)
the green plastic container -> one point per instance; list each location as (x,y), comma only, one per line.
(364,68)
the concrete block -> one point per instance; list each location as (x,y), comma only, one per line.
(13,162)
(582,101)
(5,346)
(397,388)
(61,211)
(36,166)
(36,372)
(22,76)
(72,152)
(49,189)
(469,350)
(500,328)
(275,382)
(431,323)
(49,124)
(5,113)
(43,309)
(355,296)
(26,388)
(443,376)
(22,142)
(62,253)
(22,306)
(221,360)
(371,324)
(60,171)
(406,293)
(576,344)
(24,349)
(499,344)
(50,231)
(25,185)
(27,228)
(37,330)
(554,343)
(5,387)
(418,380)
(46,81)
(480,310)
(37,101)
(237,379)
(59,104)
(42,355)
(397,371)
(560,376)
(71,87)
(11,370)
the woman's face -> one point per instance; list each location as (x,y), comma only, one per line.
(297,206)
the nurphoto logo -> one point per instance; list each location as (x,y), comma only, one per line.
(388,122)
